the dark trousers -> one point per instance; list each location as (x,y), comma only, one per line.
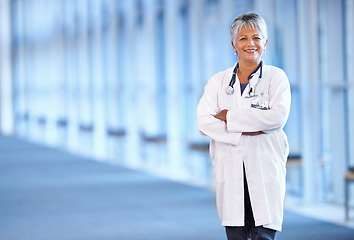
(249,231)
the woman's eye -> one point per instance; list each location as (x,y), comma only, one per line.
(242,38)
(257,38)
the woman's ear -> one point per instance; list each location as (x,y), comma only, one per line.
(233,46)
(266,43)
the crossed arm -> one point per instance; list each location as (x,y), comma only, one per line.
(222,116)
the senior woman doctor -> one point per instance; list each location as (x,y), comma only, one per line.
(243,111)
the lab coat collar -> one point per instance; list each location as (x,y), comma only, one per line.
(255,76)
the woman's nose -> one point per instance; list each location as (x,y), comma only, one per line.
(251,42)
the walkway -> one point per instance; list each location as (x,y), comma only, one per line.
(47,194)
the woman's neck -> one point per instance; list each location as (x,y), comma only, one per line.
(245,69)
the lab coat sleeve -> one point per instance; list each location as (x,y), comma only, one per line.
(207,124)
(253,120)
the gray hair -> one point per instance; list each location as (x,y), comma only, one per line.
(248,20)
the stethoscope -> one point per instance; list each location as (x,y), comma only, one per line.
(252,92)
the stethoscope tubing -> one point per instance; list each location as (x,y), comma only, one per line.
(230,88)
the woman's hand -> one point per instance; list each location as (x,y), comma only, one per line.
(222,115)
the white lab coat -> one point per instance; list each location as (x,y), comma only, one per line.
(264,156)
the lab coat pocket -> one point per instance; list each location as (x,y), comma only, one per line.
(283,144)
(219,164)
(260,102)
(273,168)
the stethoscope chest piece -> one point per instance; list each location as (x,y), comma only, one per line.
(230,90)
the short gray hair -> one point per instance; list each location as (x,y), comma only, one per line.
(248,20)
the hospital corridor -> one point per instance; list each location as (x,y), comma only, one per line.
(48,193)
(98,116)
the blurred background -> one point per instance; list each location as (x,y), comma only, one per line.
(120,80)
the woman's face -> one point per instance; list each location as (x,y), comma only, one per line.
(249,45)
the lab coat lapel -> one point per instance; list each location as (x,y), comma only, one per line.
(238,97)
(254,79)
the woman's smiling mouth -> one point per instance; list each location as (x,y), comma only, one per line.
(250,50)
